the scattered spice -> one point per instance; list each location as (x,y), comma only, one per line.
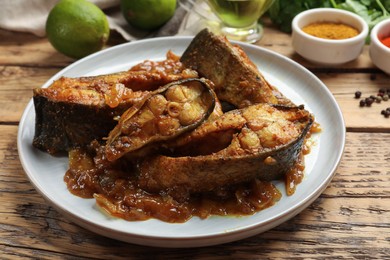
(333,31)
(382,95)
(386,41)
(386,112)
(358,94)
(369,101)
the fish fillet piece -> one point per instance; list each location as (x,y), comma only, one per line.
(236,79)
(265,142)
(171,110)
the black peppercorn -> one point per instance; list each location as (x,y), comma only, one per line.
(362,103)
(358,94)
(369,101)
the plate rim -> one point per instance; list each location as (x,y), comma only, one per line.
(185,240)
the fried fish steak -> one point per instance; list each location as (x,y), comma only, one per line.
(237,80)
(68,117)
(264,142)
(72,112)
(171,110)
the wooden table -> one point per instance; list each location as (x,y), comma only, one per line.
(351,219)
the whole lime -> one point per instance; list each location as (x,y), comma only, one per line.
(148,14)
(77,28)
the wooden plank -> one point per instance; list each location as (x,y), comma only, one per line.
(29,50)
(16,84)
(365,168)
(351,219)
(343,87)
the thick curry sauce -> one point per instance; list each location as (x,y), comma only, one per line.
(115,188)
(116,191)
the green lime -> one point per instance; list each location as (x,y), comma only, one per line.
(77,28)
(148,14)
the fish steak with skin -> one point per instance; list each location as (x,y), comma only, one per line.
(264,142)
(72,112)
(236,78)
(171,110)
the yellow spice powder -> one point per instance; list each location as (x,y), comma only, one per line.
(333,31)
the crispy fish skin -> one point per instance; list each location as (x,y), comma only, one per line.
(265,147)
(237,80)
(171,110)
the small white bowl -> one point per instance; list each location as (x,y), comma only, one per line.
(379,53)
(328,51)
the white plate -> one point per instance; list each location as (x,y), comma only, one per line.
(46,172)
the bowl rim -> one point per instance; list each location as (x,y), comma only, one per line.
(360,37)
(375,37)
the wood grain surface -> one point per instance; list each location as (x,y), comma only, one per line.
(350,220)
